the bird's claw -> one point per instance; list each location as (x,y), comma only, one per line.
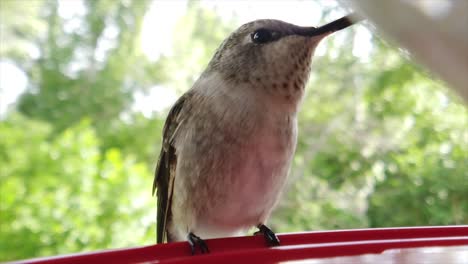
(268,234)
(196,241)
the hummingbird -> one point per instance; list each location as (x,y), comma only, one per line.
(228,142)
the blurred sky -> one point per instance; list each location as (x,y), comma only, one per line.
(157,34)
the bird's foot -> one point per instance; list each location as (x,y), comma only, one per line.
(270,236)
(195,242)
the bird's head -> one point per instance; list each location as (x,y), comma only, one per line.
(269,54)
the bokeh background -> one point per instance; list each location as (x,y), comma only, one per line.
(85,87)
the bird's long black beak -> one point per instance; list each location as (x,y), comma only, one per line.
(331,27)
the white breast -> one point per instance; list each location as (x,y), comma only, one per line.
(233,182)
(252,188)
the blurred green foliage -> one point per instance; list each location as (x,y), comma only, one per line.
(62,194)
(380,142)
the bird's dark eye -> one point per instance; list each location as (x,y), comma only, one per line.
(261,36)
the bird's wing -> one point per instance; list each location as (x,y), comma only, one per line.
(166,168)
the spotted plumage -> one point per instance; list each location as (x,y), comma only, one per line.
(228,142)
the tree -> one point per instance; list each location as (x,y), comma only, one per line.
(89,70)
(62,195)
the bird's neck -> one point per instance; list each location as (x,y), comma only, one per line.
(281,97)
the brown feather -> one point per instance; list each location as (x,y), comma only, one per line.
(166,169)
